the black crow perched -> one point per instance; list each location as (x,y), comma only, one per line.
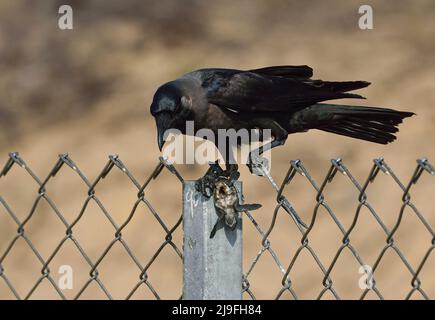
(282,98)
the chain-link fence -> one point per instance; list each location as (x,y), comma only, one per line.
(145,281)
(369,284)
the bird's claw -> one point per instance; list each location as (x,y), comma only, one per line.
(232,172)
(206,184)
(258,165)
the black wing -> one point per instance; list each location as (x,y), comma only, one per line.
(283,88)
(292,72)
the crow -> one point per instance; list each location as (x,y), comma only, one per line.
(284,99)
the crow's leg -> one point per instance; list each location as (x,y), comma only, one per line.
(279,137)
(268,146)
(257,163)
(230,161)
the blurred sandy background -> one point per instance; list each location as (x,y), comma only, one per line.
(87,92)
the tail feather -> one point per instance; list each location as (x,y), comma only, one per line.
(340,86)
(366,123)
(365,132)
(383,126)
(342,95)
(358,135)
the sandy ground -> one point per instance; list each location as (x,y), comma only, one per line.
(87,92)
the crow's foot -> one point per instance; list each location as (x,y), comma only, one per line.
(232,172)
(257,164)
(207,184)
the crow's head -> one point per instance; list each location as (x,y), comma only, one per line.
(170,107)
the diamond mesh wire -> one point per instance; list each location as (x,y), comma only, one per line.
(42,195)
(337,165)
(283,206)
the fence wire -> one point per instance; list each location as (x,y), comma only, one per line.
(337,165)
(283,205)
(114,162)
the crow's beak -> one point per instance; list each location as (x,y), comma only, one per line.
(163,122)
(160,140)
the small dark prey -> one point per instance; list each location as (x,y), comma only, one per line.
(227,201)
(282,98)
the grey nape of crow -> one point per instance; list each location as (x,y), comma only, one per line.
(282,98)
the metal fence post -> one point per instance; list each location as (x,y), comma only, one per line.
(212,268)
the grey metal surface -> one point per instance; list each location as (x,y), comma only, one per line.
(212,267)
